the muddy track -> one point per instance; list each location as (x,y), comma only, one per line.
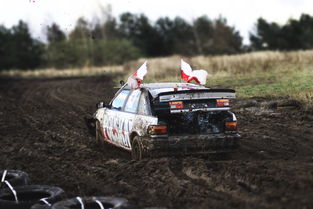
(43,132)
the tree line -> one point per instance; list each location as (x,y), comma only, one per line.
(294,35)
(131,36)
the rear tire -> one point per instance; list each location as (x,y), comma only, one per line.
(137,151)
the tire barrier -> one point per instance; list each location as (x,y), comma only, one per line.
(154,208)
(14,177)
(41,206)
(24,197)
(15,193)
(92,203)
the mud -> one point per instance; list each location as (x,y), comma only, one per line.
(43,132)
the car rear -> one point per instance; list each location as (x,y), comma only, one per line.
(193,121)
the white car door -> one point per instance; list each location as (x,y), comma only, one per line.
(112,119)
(127,118)
(128,113)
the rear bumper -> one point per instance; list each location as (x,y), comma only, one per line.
(194,144)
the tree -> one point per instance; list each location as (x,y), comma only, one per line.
(295,34)
(165,29)
(81,30)
(177,36)
(25,52)
(203,29)
(226,40)
(55,34)
(298,33)
(107,30)
(138,29)
(5,58)
(266,36)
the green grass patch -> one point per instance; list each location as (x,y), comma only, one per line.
(296,84)
(284,86)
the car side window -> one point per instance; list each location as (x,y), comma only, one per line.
(132,101)
(143,108)
(119,101)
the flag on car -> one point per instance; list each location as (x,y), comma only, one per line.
(135,80)
(189,75)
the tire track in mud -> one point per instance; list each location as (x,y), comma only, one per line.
(43,132)
(35,95)
(208,180)
(57,95)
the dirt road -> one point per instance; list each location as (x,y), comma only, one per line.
(43,132)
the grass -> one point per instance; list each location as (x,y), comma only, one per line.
(257,74)
(58,73)
(295,86)
(288,82)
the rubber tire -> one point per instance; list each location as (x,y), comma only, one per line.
(98,134)
(137,152)
(109,202)
(154,208)
(41,206)
(15,178)
(52,195)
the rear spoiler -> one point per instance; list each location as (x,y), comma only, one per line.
(197,94)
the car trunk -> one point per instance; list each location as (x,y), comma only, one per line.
(199,122)
(194,112)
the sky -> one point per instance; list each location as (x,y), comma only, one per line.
(242,14)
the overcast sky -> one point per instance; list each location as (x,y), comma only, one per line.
(240,13)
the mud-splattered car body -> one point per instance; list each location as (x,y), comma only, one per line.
(170,118)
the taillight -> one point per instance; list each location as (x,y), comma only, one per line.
(157,130)
(176,105)
(222,102)
(231,126)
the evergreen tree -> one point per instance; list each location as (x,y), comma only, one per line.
(5,58)
(295,34)
(55,34)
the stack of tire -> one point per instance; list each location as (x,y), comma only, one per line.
(16,193)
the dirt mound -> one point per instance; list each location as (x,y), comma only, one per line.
(43,132)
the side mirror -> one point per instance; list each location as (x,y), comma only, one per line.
(122,83)
(100,105)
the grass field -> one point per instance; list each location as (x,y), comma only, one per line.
(257,74)
(63,73)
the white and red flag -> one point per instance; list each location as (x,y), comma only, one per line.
(189,75)
(135,80)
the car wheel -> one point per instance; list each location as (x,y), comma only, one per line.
(137,149)
(98,136)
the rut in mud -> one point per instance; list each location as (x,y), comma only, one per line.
(43,132)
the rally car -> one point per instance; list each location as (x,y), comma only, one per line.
(170,119)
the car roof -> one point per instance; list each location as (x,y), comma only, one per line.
(153,86)
(156,88)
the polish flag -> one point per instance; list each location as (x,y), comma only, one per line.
(189,75)
(135,80)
